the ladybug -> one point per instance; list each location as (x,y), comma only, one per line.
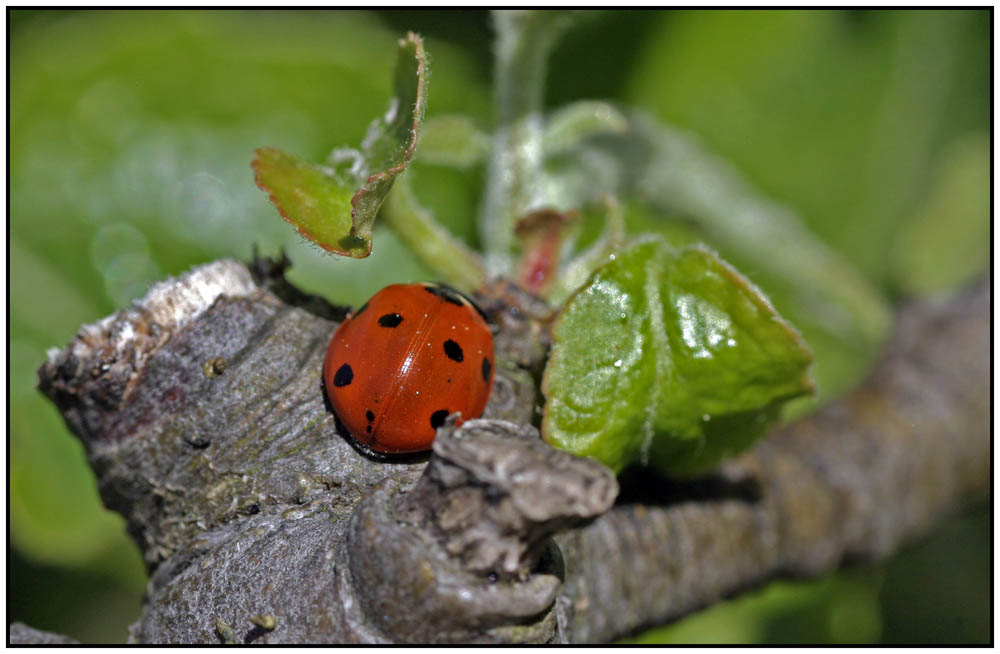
(400,364)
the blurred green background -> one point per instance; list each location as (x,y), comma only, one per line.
(129,147)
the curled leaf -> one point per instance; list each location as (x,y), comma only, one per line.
(335,205)
(668,356)
(542,234)
(568,127)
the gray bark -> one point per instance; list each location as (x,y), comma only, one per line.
(19,633)
(203,416)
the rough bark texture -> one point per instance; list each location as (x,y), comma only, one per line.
(19,633)
(203,415)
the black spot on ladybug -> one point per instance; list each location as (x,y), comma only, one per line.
(453,350)
(447,294)
(344,376)
(458,298)
(369,415)
(359,311)
(368,429)
(390,320)
(438,418)
(486,369)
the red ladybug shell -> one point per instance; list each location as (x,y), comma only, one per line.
(409,357)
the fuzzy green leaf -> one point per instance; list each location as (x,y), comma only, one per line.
(335,206)
(571,125)
(307,196)
(671,183)
(668,356)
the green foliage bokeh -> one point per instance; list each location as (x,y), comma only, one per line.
(130,140)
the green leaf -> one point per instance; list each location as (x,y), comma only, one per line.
(842,316)
(307,197)
(668,356)
(335,206)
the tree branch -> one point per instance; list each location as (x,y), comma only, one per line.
(19,633)
(203,415)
